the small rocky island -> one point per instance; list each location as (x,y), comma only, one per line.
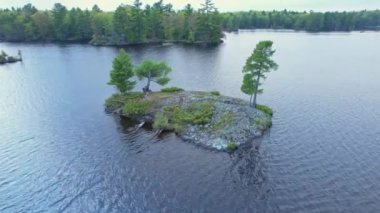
(5,58)
(204,118)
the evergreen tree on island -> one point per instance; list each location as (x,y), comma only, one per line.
(153,72)
(122,71)
(256,66)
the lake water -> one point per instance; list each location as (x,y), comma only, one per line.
(59,151)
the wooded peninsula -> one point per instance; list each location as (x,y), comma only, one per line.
(159,22)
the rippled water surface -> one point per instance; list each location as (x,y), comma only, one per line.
(59,151)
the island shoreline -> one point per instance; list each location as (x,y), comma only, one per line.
(232,123)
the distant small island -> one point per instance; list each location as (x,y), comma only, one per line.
(205,118)
(5,58)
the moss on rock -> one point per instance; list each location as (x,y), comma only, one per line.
(199,117)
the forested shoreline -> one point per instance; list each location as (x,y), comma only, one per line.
(159,22)
(307,21)
(129,24)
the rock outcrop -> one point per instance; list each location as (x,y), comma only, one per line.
(4,58)
(212,121)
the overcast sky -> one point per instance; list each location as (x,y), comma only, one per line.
(223,5)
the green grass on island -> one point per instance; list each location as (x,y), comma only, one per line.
(174,117)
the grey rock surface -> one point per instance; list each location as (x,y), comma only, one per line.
(233,120)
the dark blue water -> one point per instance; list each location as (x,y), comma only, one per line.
(59,151)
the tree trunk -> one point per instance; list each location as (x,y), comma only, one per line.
(19,55)
(257,88)
(250,100)
(147,87)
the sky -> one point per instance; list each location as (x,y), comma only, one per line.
(222,5)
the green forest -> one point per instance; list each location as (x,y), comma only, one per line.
(308,21)
(128,24)
(159,22)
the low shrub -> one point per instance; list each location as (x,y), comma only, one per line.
(259,121)
(178,117)
(268,122)
(161,122)
(114,102)
(133,95)
(261,124)
(119,100)
(136,107)
(196,113)
(200,114)
(215,93)
(172,89)
(232,146)
(265,109)
(178,128)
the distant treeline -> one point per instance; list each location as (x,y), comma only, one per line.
(129,24)
(133,24)
(309,21)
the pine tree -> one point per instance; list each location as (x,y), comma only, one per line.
(138,27)
(59,13)
(153,72)
(257,65)
(209,24)
(122,71)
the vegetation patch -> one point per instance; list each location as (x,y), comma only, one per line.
(161,122)
(232,146)
(258,121)
(172,89)
(268,114)
(114,102)
(175,117)
(215,93)
(118,100)
(133,95)
(226,119)
(263,124)
(265,109)
(137,107)
(268,122)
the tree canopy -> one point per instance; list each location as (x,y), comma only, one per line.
(208,21)
(129,24)
(153,72)
(122,72)
(257,65)
(309,21)
(159,22)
